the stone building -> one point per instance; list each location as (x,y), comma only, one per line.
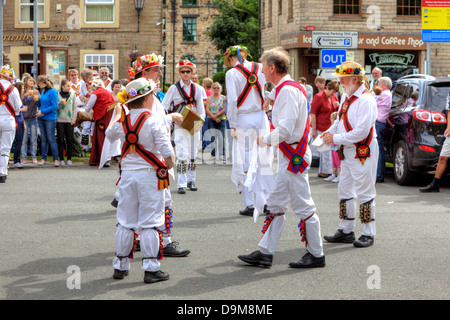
(389,35)
(184,22)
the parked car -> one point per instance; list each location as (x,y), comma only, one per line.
(418,112)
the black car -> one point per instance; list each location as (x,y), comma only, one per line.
(418,112)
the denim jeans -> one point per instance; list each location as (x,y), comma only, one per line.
(214,129)
(381,167)
(18,142)
(48,130)
(32,132)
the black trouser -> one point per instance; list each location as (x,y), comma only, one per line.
(64,131)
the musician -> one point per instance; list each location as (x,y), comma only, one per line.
(291,132)
(147,155)
(10,104)
(149,67)
(185,92)
(100,100)
(354,131)
(245,96)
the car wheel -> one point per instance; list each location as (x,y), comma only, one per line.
(402,174)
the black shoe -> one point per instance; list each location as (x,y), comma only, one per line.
(308,261)
(119,274)
(380,180)
(363,242)
(191,186)
(430,188)
(257,258)
(173,250)
(266,211)
(340,236)
(114,203)
(247,212)
(181,191)
(152,277)
(138,246)
(2,179)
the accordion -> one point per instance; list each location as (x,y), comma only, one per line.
(191,119)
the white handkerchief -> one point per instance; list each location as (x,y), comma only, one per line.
(321,146)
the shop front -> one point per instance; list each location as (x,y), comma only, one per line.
(395,54)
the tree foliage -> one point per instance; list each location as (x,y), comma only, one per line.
(237,25)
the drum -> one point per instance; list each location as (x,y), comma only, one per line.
(191,119)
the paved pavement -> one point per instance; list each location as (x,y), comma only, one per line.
(58,228)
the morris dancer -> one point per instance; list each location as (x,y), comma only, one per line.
(354,131)
(10,103)
(245,96)
(147,155)
(185,92)
(149,67)
(87,126)
(99,101)
(291,127)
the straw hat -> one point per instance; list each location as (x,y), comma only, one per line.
(95,83)
(7,72)
(349,68)
(186,64)
(235,51)
(137,89)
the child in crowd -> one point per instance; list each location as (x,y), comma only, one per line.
(334,157)
(66,118)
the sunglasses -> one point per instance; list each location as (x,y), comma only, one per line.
(186,71)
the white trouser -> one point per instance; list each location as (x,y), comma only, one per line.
(140,209)
(249,127)
(186,149)
(292,189)
(357,182)
(7,134)
(87,128)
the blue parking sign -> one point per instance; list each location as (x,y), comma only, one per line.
(331,58)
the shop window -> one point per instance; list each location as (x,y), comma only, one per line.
(346,7)
(409,8)
(26,11)
(189,29)
(96,61)
(99,11)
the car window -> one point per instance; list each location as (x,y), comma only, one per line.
(437,97)
(412,95)
(398,95)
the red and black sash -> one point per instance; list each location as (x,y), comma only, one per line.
(4,98)
(187,99)
(252,82)
(131,144)
(362,147)
(297,162)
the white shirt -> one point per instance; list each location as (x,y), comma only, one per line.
(174,96)
(289,115)
(13,98)
(235,83)
(361,114)
(153,137)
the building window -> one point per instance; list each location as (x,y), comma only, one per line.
(291,9)
(189,2)
(409,8)
(189,29)
(99,11)
(269,22)
(346,7)
(26,11)
(263,13)
(96,61)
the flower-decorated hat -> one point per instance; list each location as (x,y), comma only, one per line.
(349,68)
(145,62)
(137,89)
(186,64)
(95,83)
(7,72)
(240,51)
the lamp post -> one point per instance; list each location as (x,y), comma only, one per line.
(207,62)
(138,5)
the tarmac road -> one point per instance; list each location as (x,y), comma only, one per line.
(57,242)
